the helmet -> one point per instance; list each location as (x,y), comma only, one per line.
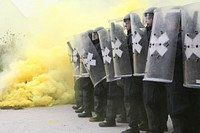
(98,29)
(126,17)
(95,34)
(150,10)
(148,15)
(90,33)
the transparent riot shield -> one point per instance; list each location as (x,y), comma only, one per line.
(191,44)
(91,59)
(139,44)
(75,59)
(106,49)
(163,43)
(120,51)
(83,72)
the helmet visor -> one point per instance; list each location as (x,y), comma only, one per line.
(148,16)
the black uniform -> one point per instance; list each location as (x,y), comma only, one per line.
(88,98)
(114,92)
(155,100)
(100,91)
(78,93)
(184,103)
(133,91)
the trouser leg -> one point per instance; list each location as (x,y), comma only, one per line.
(88,99)
(155,101)
(78,92)
(131,103)
(100,96)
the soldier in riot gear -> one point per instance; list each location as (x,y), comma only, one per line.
(154,94)
(75,60)
(114,91)
(139,53)
(184,102)
(100,90)
(88,89)
(94,66)
(132,113)
(134,91)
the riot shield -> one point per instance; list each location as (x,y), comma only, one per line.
(91,59)
(75,59)
(82,70)
(121,57)
(139,45)
(106,49)
(163,43)
(191,44)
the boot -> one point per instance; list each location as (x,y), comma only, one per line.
(85,114)
(79,110)
(131,130)
(75,107)
(107,124)
(96,118)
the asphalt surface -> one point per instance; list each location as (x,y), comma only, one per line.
(56,119)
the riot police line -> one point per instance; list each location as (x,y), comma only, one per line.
(153,71)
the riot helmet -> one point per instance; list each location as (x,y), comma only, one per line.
(90,33)
(127,22)
(95,36)
(126,17)
(148,16)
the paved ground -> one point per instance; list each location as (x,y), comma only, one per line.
(57,119)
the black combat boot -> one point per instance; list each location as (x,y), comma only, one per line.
(107,124)
(75,107)
(131,130)
(85,114)
(96,118)
(79,110)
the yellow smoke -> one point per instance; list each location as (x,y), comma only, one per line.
(42,76)
(42,79)
(162,3)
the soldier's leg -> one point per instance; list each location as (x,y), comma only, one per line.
(98,102)
(87,97)
(185,113)
(154,95)
(131,105)
(197,112)
(112,95)
(142,112)
(78,93)
(100,94)
(89,100)
(120,106)
(195,109)
(179,107)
